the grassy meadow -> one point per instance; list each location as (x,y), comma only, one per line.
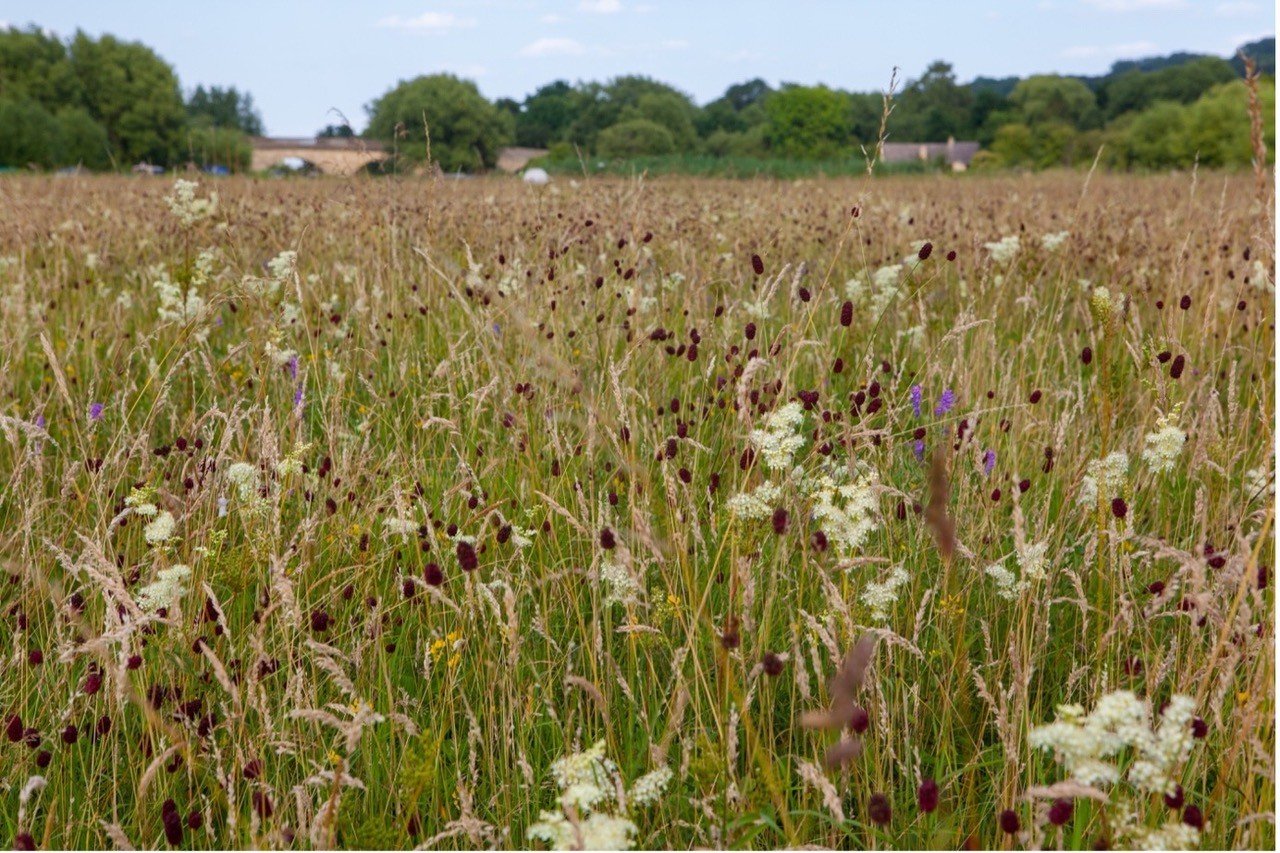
(502,516)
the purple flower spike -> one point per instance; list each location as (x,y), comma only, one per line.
(946,402)
(293,367)
(919,448)
(297,398)
(95,411)
(989,461)
(40,421)
(917,397)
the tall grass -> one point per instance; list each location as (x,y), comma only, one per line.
(561,386)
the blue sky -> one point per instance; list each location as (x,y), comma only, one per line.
(300,60)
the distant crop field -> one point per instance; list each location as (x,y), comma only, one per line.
(906,512)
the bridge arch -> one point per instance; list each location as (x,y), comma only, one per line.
(340,156)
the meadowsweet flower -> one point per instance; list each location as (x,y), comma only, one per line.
(400,526)
(1164,445)
(1084,742)
(1106,475)
(170,584)
(648,788)
(779,440)
(622,587)
(245,478)
(881,597)
(597,832)
(160,529)
(844,505)
(1031,560)
(283,265)
(1053,241)
(189,209)
(141,501)
(1004,250)
(1007,584)
(1259,483)
(755,505)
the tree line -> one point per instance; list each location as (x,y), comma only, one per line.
(108,104)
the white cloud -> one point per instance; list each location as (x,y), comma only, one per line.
(1135,5)
(427,21)
(1125,50)
(1235,9)
(675,44)
(600,7)
(551,19)
(553,47)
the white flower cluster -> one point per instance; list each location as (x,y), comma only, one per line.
(755,505)
(402,527)
(1164,445)
(622,587)
(142,502)
(170,584)
(1085,742)
(1259,483)
(189,209)
(588,781)
(846,510)
(1053,241)
(881,597)
(283,265)
(174,306)
(159,529)
(1108,474)
(245,478)
(779,440)
(1004,250)
(1032,563)
(881,289)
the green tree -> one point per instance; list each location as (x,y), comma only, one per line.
(932,108)
(1014,144)
(35,66)
(545,115)
(669,110)
(133,94)
(597,106)
(467,131)
(207,145)
(1048,97)
(29,135)
(335,131)
(807,122)
(218,107)
(865,112)
(739,108)
(81,140)
(1218,125)
(635,138)
(1157,138)
(1134,91)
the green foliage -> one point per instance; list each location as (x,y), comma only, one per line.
(28,135)
(467,131)
(82,141)
(34,66)
(545,115)
(224,108)
(219,146)
(1157,138)
(933,108)
(634,138)
(1136,90)
(1219,126)
(134,94)
(807,122)
(1050,97)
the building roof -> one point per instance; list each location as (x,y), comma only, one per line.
(951,151)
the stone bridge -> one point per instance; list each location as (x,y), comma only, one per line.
(332,156)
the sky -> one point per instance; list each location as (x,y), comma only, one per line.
(309,63)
